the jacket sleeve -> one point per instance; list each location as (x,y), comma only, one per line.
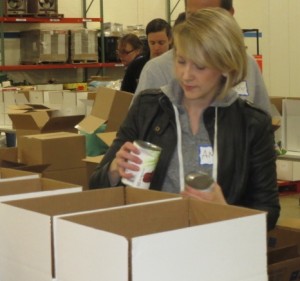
(127,132)
(262,189)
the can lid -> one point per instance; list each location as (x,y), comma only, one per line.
(199,180)
(147,145)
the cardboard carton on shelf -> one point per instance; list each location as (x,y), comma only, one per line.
(176,240)
(28,227)
(288,169)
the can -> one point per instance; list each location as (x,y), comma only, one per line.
(199,180)
(149,153)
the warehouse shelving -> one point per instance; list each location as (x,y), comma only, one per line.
(52,20)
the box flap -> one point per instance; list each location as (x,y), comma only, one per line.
(29,121)
(60,123)
(108,137)
(93,159)
(90,124)
(109,105)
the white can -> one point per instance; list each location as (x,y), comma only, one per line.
(149,153)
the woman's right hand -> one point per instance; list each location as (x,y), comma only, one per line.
(126,160)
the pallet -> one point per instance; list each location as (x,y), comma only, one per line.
(33,15)
(42,62)
(83,61)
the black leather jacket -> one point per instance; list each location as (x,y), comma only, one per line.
(246,155)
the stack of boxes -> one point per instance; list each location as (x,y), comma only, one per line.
(40,46)
(59,46)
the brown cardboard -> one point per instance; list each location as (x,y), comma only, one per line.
(91,163)
(107,137)
(281,237)
(73,175)
(8,175)
(110,106)
(37,119)
(31,186)
(9,159)
(284,264)
(61,150)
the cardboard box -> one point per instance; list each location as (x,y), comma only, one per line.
(74,175)
(42,46)
(27,227)
(177,240)
(281,237)
(284,264)
(35,187)
(290,124)
(91,164)
(83,45)
(11,175)
(49,87)
(41,120)
(61,150)
(107,137)
(288,169)
(110,106)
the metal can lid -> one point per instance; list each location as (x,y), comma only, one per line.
(147,145)
(199,180)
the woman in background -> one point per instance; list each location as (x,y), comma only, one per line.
(130,47)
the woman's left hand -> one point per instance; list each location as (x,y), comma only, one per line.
(215,195)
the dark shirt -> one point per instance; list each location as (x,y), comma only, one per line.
(132,74)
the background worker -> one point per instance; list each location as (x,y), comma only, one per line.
(159,39)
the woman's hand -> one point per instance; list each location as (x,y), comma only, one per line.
(126,159)
(215,195)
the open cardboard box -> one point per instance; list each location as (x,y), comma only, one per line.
(37,119)
(109,109)
(26,230)
(173,240)
(34,187)
(110,106)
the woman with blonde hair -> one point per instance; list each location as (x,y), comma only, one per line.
(201,124)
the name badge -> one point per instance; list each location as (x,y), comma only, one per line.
(242,89)
(206,155)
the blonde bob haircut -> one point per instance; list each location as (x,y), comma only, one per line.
(211,38)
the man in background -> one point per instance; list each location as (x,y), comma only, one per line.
(159,71)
